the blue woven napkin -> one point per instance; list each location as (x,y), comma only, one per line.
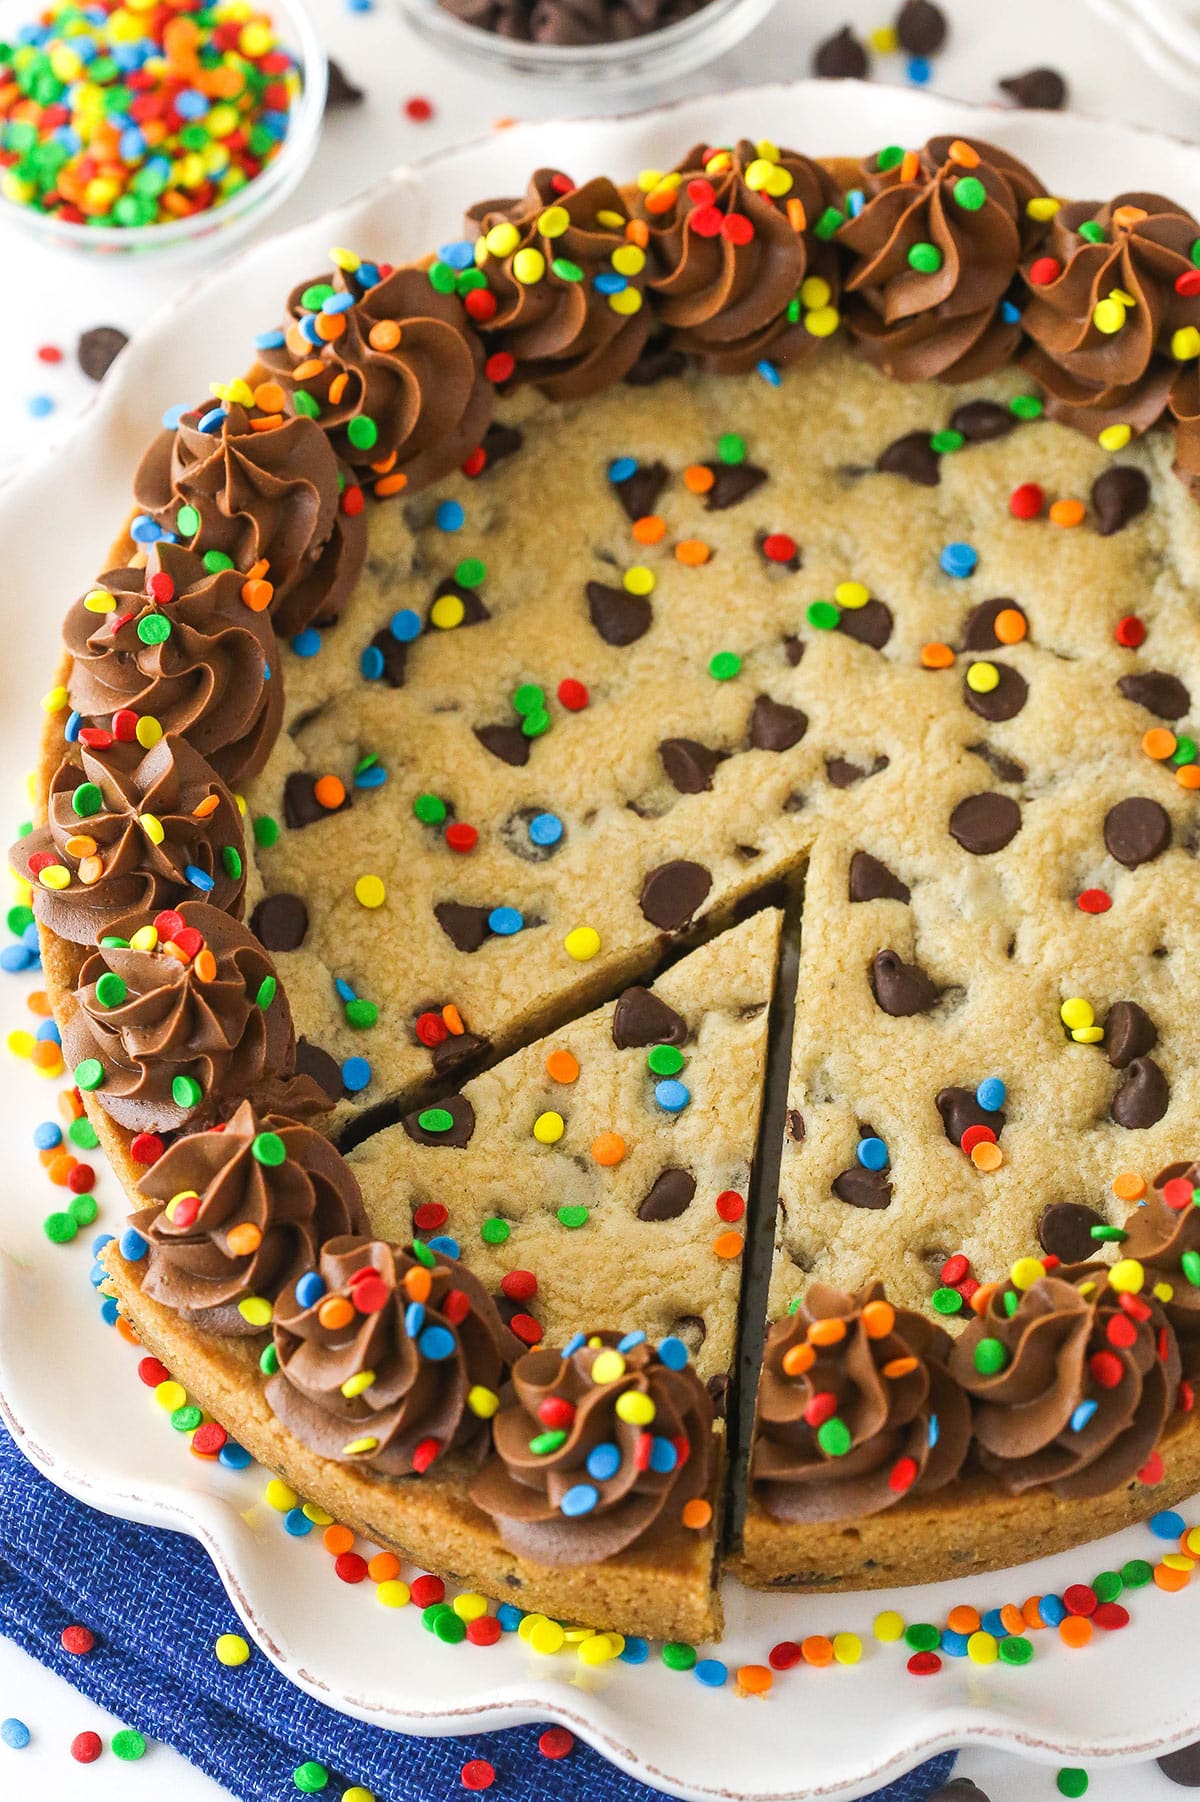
(156,1605)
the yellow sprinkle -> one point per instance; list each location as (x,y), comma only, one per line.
(55,701)
(482,1402)
(20,1043)
(883,39)
(358,1384)
(628,301)
(611,219)
(469,1606)
(638,580)
(847,1648)
(852,594)
(1087,1035)
(526,1625)
(502,240)
(582,943)
(447,612)
(1076,1012)
(393,1593)
(528,266)
(170,1395)
(231,1649)
(549,1128)
(1108,316)
(317,1516)
(152,826)
(554,222)
(982,678)
(888,1626)
(1178,1561)
(822,322)
(1026,1272)
(144,939)
(1042,207)
(634,1408)
(344,259)
(608,1367)
(257,1310)
(148,731)
(99,601)
(1127,1276)
(1164,1292)
(1115,437)
(1185,344)
(357,1448)
(982,1648)
(815,292)
(629,259)
(597,1649)
(55,876)
(369,891)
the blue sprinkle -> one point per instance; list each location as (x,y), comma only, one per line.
(1052,1610)
(935,1431)
(374,776)
(1083,1413)
(356,1074)
(445,1246)
(71,729)
(631,1340)
(343,989)
(47,1135)
(545,829)
(872,1154)
(579,1499)
(575,1343)
(191,103)
(662,1455)
(213,420)
(48,1032)
(99,1243)
(919,70)
(310,1288)
(199,878)
(360,6)
(109,1311)
(621,468)
(233,1456)
(1010,313)
(97,1275)
(856,200)
(1167,1525)
(958,559)
(15,958)
(38,406)
(992,1623)
(604,1461)
(406,625)
(671,1096)
(297,1523)
(437,1343)
(143,530)
(711,1672)
(367,275)
(769,373)
(337,303)
(449,516)
(274,340)
(414,1318)
(509,1616)
(14,1733)
(460,253)
(636,1650)
(954,1645)
(133,1246)
(991,1094)
(371,663)
(29,939)
(673,1352)
(505,921)
(609,282)
(307,643)
(308,330)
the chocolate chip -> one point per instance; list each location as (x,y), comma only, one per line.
(474,611)
(619,618)
(641,1018)
(860,1188)
(465,927)
(981,421)
(1129,1032)
(1007,769)
(870,625)
(1157,692)
(774,726)
(690,766)
(1182,1766)
(1137,830)
(1003,702)
(901,989)
(985,823)
(1042,89)
(1065,1231)
(341,91)
(315,1062)
(871,880)
(508,743)
(959,1110)
(280,922)
(1118,496)
(99,348)
(793,650)
(460,1051)
(920,27)
(672,893)
(657,361)
(669,1195)
(1143,1096)
(500,441)
(300,804)
(844,774)
(979,627)
(718,1392)
(912,457)
(732,482)
(840,56)
(638,492)
(395,657)
(454,1137)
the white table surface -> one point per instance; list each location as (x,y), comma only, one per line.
(47,298)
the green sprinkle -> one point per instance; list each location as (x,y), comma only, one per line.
(267,990)
(60,1229)
(1072,1781)
(1184,752)
(1190,1263)
(1092,232)
(922,1636)
(677,1656)
(731,448)
(944,443)
(361,1014)
(87,800)
(471,572)
(128,1744)
(231,862)
(834,1438)
(1025,406)
(889,156)
(572,1217)
(89,1074)
(430,809)
(970,193)
(269,1149)
(187,521)
(268,1361)
(724,666)
(565,269)
(494,1231)
(1194,252)
(542,1444)
(926,259)
(830,222)
(216,561)
(1108,1235)
(362,432)
(442,277)
(823,615)
(529,698)
(110,989)
(450,1628)
(422,1253)
(1016,1649)
(435,1120)
(186,1092)
(467,280)
(154,629)
(1010,1302)
(310,1777)
(81,1132)
(535,723)
(991,1357)
(1137,1573)
(187,1418)
(431,1615)
(266,831)
(315,296)
(303,402)
(83,1209)
(1108,1585)
(947,1301)
(18,918)
(665,1060)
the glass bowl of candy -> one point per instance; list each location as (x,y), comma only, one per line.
(128,128)
(606,46)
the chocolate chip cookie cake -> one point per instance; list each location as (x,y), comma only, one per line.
(481,684)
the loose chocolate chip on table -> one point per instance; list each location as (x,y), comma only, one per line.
(466,927)
(508,743)
(452,1138)
(979,627)
(669,1195)
(672,893)
(314,1061)
(1158,692)
(871,880)
(1182,1766)
(844,774)
(1143,1097)
(1129,1032)
(980,421)
(774,726)
(1042,89)
(689,765)
(641,1018)
(732,482)
(912,457)
(959,1110)
(280,922)
(638,492)
(341,90)
(840,56)
(1065,1231)
(920,27)
(901,989)
(1003,702)
(860,1188)
(983,824)
(1137,830)
(1119,495)
(99,348)
(619,618)
(870,625)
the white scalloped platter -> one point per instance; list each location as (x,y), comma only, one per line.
(68,1387)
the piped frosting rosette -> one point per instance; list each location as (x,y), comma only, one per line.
(1163,1235)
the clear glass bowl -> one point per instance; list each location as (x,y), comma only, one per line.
(219,225)
(653,60)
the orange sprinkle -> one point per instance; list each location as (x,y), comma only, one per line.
(983,1295)
(1188,775)
(259,568)
(70,1104)
(755,1679)
(1128,215)
(637,232)
(816,1649)
(80,844)
(338,386)
(329,792)
(329,326)
(696,1514)
(910,163)
(728,1245)
(269,397)
(268,423)
(895,1368)
(337,1539)
(1168,1577)
(206,807)
(650,530)
(335,1311)
(304,372)
(453,1020)
(39,1003)
(963,1619)
(46,1055)
(1075,1630)
(171,949)
(1067,513)
(797,217)
(1012,1617)
(127,1331)
(383,1567)
(1129,1186)
(986,1155)
(936,656)
(90,870)
(608,1149)
(258,595)
(205,965)
(385,464)
(46,1158)
(659,200)
(61,1168)
(1159,742)
(418,1283)
(244,1240)
(697,479)
(384,335)
(1031,1613)
(391,484)
(827,1332)
(965,155)
(878,1318)
(692,551)
(562,1066)
(797,1359)
(1189,1542)
(1009,625)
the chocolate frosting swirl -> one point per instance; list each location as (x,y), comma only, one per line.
(1073,1387)
(131,831)
(398,384)
(850,1421)
(394,1360)
(184,1034)
(568,282)
(1103,328)
(214,679)
(240,1212)
(594,1483)
(732,237)
(937,245)
(255,485)
(1163,1235)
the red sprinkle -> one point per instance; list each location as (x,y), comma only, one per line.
(821,1408)
(430,1216)
(1188,283)
(556,1742)
(777,547)
(353,501)
(1106,1368)
(902,1475)
(1111,1616)
(476,463)
(737,229)
(783,1656)
(1079,1598)
(924,1664)
(418,109)
(1121,1333)
(1152,1470)
(208,1439)
(77,1640)
(50,353)
(351,1567)
(425,1591)
(481,306)
(572,694)
(730,1205)
(485,1631)
(81,1179)
(1177,1193)
(431,1029)
(461,837)
(152,1373)
(86,1748)
(955,1269)
(519,1285)
(527,1329)
(1027,501)
(371,1295)
(499,366)
(1094,901)
(556,1411)
(976,1135)
(1044,270)
(1130,632)
(477,1773)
